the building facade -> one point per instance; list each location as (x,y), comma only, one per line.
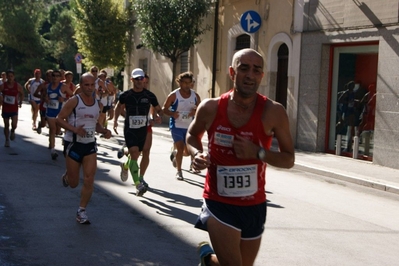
(273,38)
(313,50)
(348,42)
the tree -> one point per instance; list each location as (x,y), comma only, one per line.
(171,27)
(100,32)
(61,44)
(19,24)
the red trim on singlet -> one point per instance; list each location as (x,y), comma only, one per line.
(225,156)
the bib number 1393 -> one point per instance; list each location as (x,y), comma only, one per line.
(237,181)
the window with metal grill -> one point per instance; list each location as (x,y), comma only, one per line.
(243,41)
(184,62)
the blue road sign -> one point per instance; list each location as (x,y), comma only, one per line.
(78,58)
(250,21)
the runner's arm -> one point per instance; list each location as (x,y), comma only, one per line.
(27,85)
(62,117)
(168,103)
(285,156)
(21,94)
(38,92)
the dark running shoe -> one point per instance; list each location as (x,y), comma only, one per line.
(144,183)
(173,158)
(121,152)
(12,135)
(140,190)
(54,155)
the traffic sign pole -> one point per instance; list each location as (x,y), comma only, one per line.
(78,60)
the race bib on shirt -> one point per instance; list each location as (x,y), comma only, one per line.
(184,116)
(237,181)
(53,104)
(9,99)
(137,121)
(89,137)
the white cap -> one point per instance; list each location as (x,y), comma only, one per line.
(137,72)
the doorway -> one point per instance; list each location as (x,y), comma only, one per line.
(353,94)
(282,75)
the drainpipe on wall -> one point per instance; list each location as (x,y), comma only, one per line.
(215,47)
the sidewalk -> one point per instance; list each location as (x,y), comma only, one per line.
(347,169)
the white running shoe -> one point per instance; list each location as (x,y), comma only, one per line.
(124,173)
(81,217)
(179,176)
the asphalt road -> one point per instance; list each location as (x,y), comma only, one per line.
(312,220)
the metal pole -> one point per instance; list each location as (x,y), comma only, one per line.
(215,48)
(355,147)
(338,145)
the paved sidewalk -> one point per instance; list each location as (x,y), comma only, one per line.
(347,169)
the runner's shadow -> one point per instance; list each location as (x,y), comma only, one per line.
(171,211)
(194,182)
(170,207)
(176,198)
(272,205)
(199,174)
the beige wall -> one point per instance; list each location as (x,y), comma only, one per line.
(160,67)
(346,14)
(277,20)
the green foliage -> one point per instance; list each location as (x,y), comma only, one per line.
(19,22)
(25,71)
(171,27)
(61,44)
(100,32)
(19,35)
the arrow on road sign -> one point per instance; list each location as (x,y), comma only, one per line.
(251,23)
(78,58)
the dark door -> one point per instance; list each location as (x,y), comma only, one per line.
(282,75)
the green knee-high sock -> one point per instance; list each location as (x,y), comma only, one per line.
(134,170)
(127,163)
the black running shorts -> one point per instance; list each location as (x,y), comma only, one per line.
(76,151)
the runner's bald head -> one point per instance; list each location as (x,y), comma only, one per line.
(84,76)
(237,56)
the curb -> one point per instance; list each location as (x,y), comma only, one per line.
(348,178)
